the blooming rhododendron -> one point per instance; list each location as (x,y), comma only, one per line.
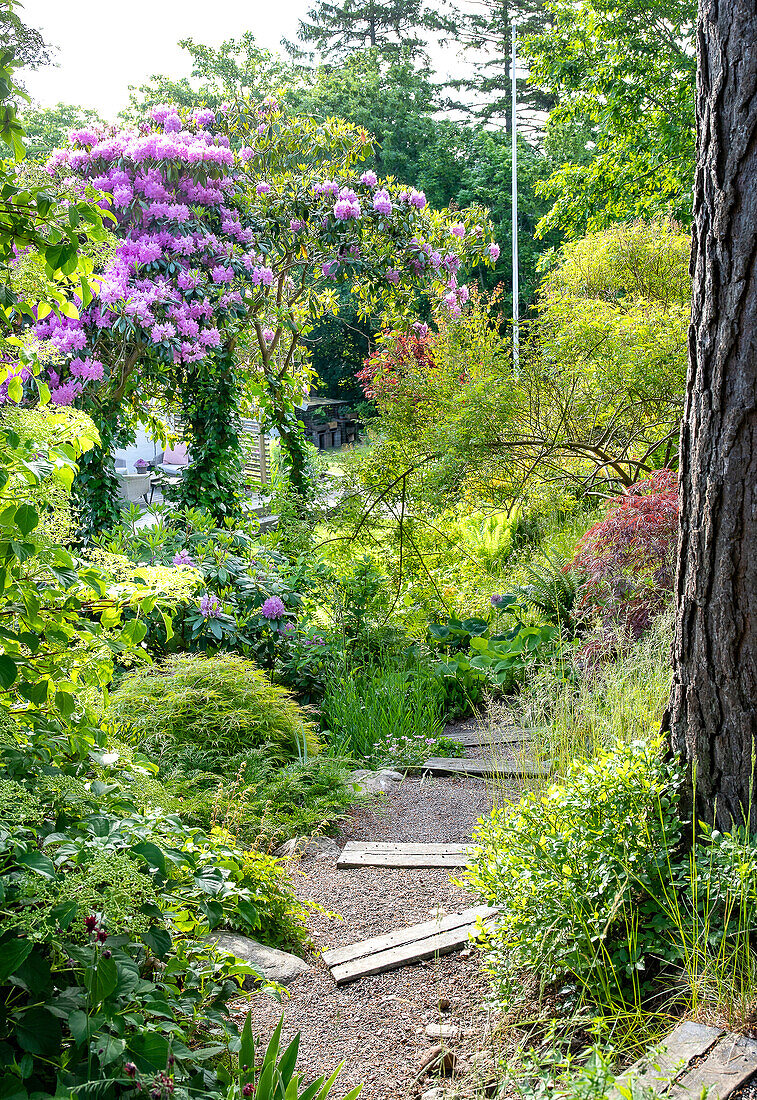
(200,259)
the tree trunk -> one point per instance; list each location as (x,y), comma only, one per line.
(713,708)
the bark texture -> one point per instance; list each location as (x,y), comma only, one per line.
(713,709)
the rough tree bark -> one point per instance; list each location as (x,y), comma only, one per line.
(713,709)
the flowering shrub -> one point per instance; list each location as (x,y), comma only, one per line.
(219,245)
(628,560)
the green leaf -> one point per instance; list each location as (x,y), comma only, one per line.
(39,863)
(107,1048)
(26,519)
(39,1032)
(151,854)
(102,979)
(8,671)
(158,940)
(12,954)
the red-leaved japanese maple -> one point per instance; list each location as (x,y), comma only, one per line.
(628,558)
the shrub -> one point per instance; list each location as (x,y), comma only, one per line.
(577,871)
(104,908)
(221,702)
(628,558)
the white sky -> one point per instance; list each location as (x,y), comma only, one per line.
(103,48)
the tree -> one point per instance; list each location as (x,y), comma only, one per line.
(47,128)
(714,697)
(622,72)
(26,45)
(237,69)
(484,29)
(335,29)
(225,261)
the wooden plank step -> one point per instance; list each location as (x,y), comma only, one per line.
(671,1058)
(405,945)
(384,854)
(500,735)
(463,766)
(728,1066)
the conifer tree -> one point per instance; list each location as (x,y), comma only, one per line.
(332,29)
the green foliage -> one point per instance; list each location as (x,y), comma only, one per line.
(390,26)
(382,714)
(473,645)
(276,1078)
(266,804)
(32,220)
(105,906)
(578,873)
(591,708)
(623,75)
(43,428)
(47,128)
(220,701)
(65,627)
(236,69)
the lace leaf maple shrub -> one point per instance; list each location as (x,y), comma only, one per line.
(628,559)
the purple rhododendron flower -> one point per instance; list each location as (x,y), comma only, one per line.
(497,599)
(459,229)
(382,203)
(273,608)
(181,557)
(268,335)
(210,606)
(345,209)
(494,250)
(369,178)
(263,188)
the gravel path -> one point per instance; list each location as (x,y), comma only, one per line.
(377,1025)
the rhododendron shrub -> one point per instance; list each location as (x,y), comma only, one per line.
(628,560)
(227,256)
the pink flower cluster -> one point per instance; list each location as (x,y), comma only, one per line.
(172,191)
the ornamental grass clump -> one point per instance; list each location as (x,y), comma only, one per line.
(223,703)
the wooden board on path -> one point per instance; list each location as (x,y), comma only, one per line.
(499,735)
(440,765)
(404,946)
(670,1058)
(384,854)
(728,1066)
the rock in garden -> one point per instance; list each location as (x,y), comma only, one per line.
(368,782)
(275,965)
(308,847)
(442,1031)
(438,1060)
(435,1093)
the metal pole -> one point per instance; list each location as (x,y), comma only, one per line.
(514,135)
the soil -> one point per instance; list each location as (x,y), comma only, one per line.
(376,1026)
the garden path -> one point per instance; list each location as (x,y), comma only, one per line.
(377,1024)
